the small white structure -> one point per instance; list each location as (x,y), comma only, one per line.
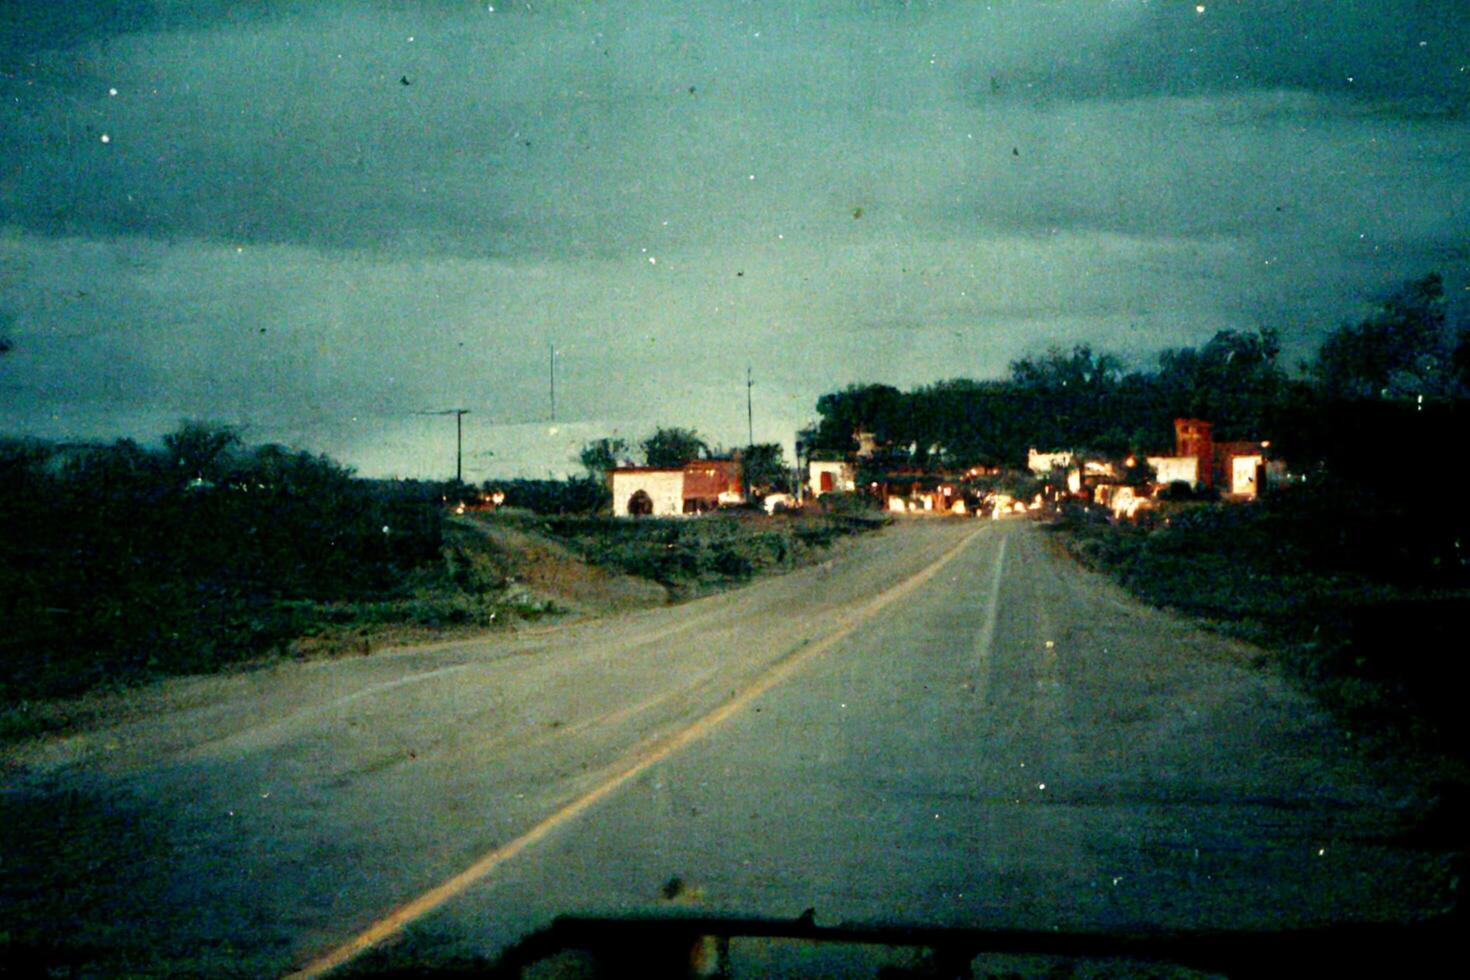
(1045,462)
(646,492)
(1126,503)
(831,476)
(1169,469)
(778,501)
(1244,475)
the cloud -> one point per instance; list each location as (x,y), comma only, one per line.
(567,132)
(1404,54)
(1267,164)
(279,230)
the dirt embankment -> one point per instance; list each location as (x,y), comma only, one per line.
(553,571)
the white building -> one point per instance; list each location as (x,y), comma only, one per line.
(697,486)
(831,476)
(1168,469)
(1245,474)
(647,492)
(1045,462)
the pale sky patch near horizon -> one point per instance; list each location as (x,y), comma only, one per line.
(318,219)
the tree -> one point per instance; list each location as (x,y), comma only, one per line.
(765,468)
(673,446)
(198,447)
(1077,370)
(1403,350)
(879,409)
(1066,396)
(602,455)
(1233,381)
(1460,360)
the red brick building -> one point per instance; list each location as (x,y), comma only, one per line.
(695,487)
(1235,467)
(711,482)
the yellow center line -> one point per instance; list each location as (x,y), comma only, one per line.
(634,765)
(986,640)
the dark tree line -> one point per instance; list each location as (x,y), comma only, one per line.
(1404,353)
(126,556)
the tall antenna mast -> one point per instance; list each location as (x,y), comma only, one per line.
(749,415)
(551,374)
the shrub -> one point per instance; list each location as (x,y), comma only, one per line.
(572,496)
(117,560)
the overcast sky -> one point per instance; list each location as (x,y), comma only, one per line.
(317,219)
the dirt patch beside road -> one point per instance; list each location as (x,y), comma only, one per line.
(551,569)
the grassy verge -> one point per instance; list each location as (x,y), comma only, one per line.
(157,626)
(1374,644)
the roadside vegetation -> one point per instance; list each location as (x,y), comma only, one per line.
(122,563)
(692,557)
(1361,597)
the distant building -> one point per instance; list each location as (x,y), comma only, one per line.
(1175,469)
(1195,437)
(919,491)
(831,476)
(1237,468)
(1044,463)
(709,483)
(695,487)
(1240,467)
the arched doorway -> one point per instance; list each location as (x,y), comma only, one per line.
(640,504)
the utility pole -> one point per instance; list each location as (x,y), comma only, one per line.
(551,374)
(749,416)
(459,414)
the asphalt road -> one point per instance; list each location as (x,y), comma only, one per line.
(946,724)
